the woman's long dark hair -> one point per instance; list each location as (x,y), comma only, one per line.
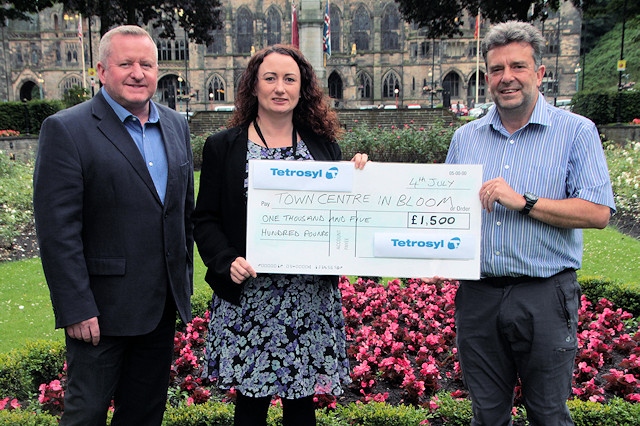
(313,110)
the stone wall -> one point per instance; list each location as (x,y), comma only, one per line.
(620,133)
(19,148)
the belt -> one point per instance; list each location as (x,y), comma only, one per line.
(505,281)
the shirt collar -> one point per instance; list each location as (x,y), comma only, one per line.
(123,113)
(540,115)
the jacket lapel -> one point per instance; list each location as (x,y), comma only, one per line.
(115,131)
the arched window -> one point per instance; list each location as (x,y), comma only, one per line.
(335,86)
(216,88)
(164,50)
(219,45)
(181,50)
(69,83)
(365,91)
(361,28)
(56,22)
(452,82)
(390,83)
(274,27)
(390,28)
(244,31)
(336,28)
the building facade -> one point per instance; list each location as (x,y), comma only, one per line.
(376,58)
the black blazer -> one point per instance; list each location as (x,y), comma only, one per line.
(109,247)
(220,217)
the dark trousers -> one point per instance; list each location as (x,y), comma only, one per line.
(253,411)
(133,371)
(526,330)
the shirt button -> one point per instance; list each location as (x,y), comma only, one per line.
(506,166)
(512,141)
(498,223)
(150,163)
(497,252)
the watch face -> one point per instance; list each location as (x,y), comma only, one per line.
(530,197)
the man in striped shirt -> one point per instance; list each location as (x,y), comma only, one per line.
(544,178)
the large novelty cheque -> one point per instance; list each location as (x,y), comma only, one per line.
(388,219)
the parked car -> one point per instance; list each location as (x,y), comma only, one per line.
(459,109)
(480,110)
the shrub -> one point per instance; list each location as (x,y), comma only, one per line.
(27,117)
(596,288)
(408,144)
(601,107)
(23,370)
(26,418)
(197,144)
(381,414)
(615,413)
(207,414)
(16,194)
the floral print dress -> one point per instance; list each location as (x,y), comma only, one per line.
(287,337)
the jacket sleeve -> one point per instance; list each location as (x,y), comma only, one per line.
(58,211)
(220,214)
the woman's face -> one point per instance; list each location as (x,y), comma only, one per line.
(278,88)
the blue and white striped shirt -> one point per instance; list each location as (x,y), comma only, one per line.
(556,155)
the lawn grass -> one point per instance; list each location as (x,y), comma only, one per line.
(25,308)
(612,255)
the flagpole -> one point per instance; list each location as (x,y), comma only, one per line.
(80,38)
(477,55)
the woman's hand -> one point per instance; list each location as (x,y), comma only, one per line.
(360,159)
(241,270)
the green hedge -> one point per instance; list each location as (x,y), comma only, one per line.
(596,288)
(601,107)
(27,117)
(23,370)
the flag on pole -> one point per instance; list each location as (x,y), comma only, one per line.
(80,27)
(326,32)
(476,33)
(295,38)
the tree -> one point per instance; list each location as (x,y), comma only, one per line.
(22,9)
(442,18)
(196,17)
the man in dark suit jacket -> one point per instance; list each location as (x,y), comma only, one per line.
(113,196)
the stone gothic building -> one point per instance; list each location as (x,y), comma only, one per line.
(376,58)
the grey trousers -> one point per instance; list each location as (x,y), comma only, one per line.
(525,330)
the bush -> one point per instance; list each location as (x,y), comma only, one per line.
(381,414)
(601,107)
(596,288)
(197,144)
(408,144)
(16,192)
(616,413)
(207,414)
(26,418)
(27,117)
(23,370)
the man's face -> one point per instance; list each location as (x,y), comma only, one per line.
(513,78)
(130,74)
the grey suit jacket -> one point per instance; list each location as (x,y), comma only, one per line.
(109,247)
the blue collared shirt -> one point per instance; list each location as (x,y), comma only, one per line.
(556,155)
(148,139)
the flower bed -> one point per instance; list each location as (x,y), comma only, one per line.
(401,345)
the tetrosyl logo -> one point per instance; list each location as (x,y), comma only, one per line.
(454,243)
(331,173)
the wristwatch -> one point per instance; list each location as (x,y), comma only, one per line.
(531,199)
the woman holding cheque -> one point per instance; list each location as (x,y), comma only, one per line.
(269,334)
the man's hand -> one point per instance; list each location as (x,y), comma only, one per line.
(87,330)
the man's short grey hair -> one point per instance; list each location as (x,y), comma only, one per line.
(514,31)
(133,30)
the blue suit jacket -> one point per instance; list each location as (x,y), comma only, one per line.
(109,247)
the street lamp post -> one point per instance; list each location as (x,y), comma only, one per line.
(577,71)
(187,92)
(211,99)
(433,66)
(396,91)
(180,92)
